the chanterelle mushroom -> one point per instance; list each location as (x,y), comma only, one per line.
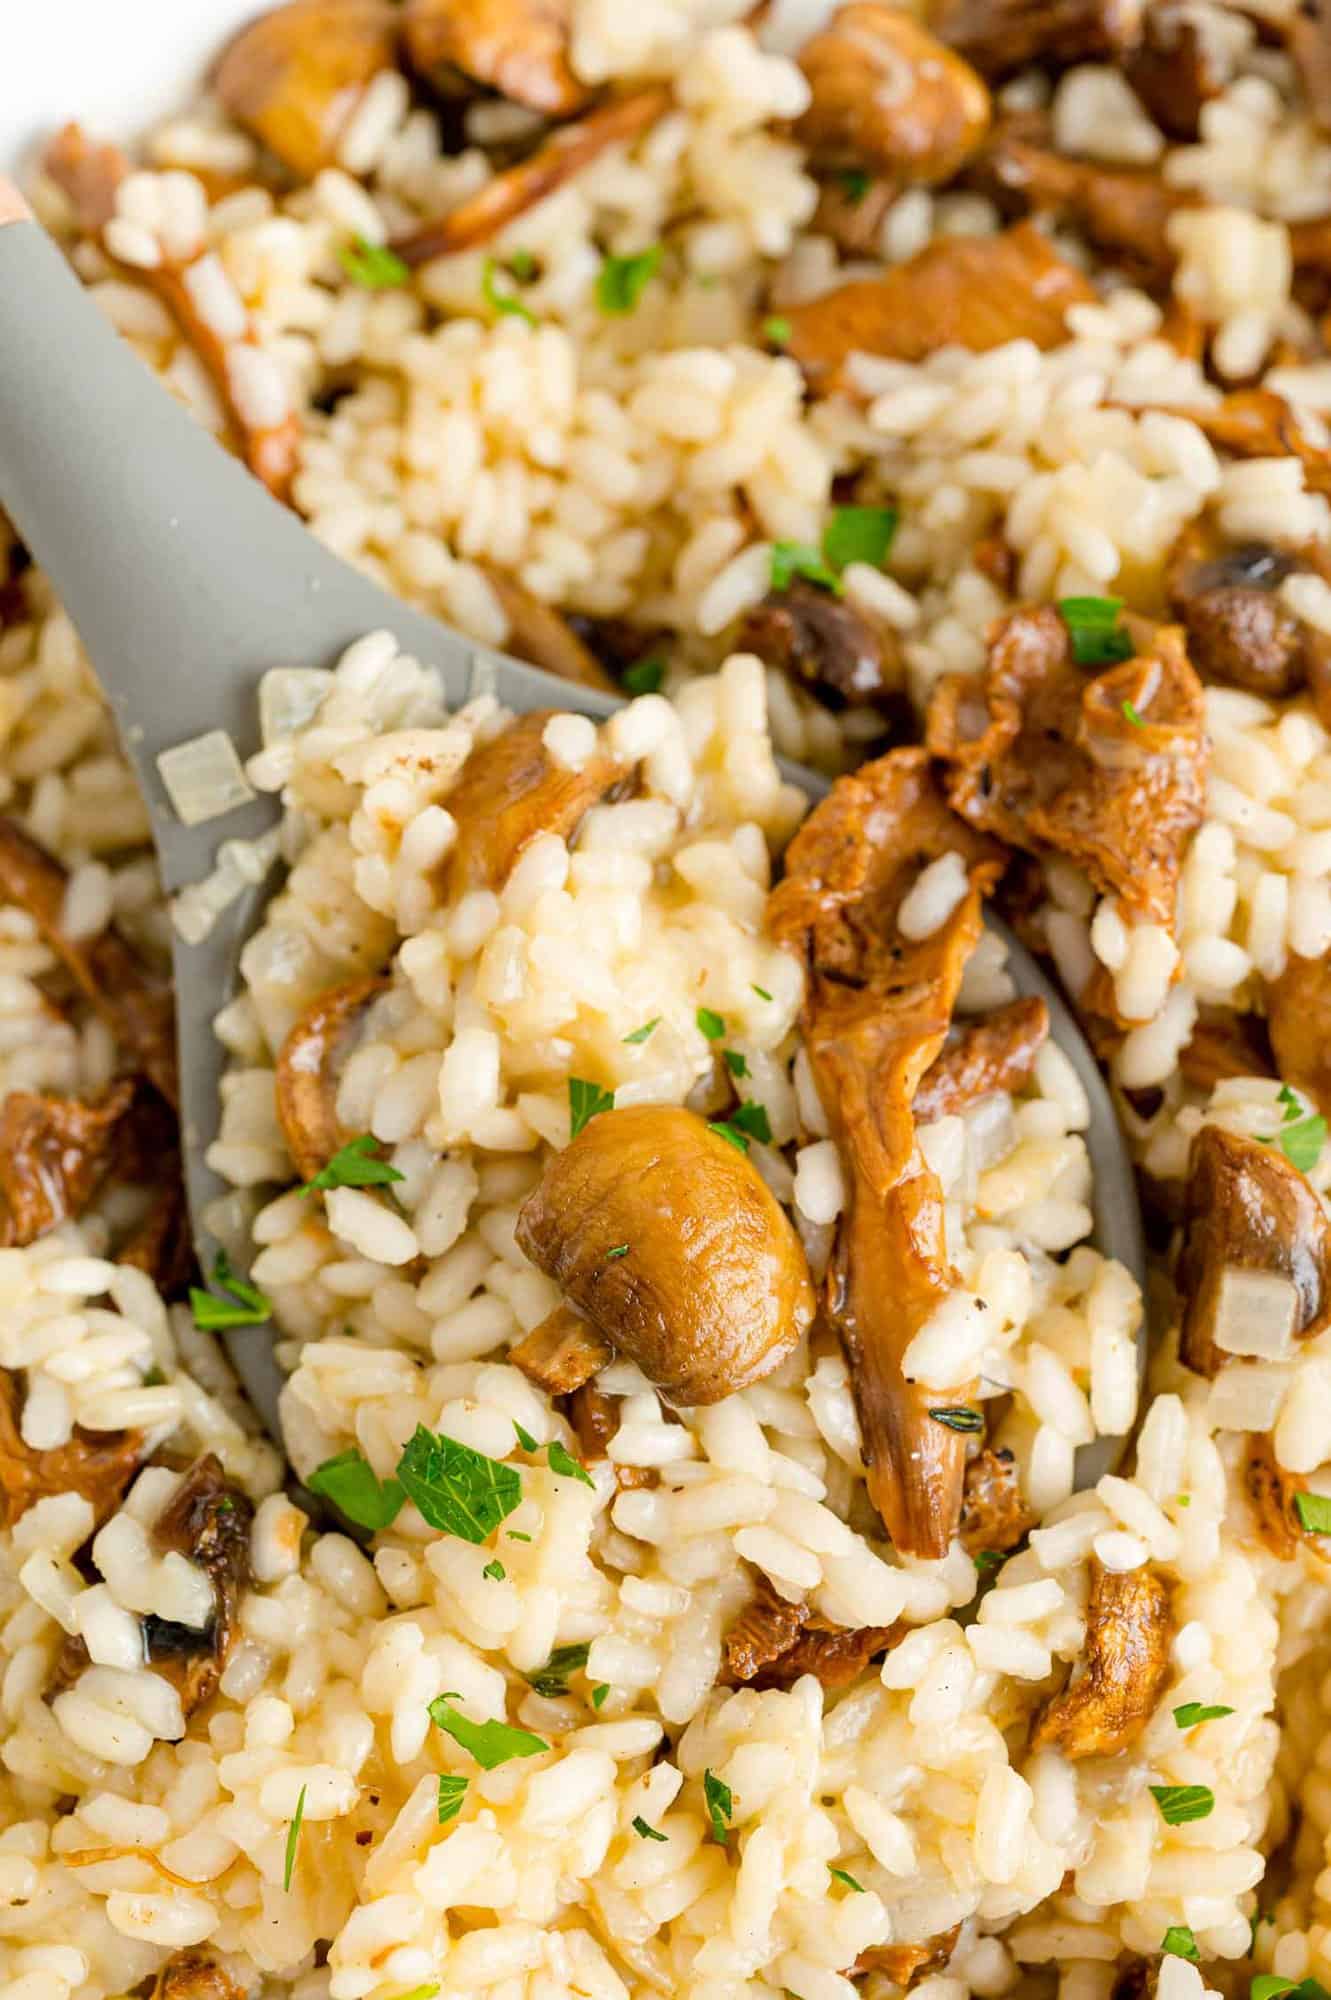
(1002,36)
(997,1053)
(823,644)
(1254,1270)
(190,1975)
(666,1237)
(53,1153)
(293,76)
(97,1464)
(1298,1015)
(890,97)
(516,47)
(878,1008)
(308,1066)
(1128,1629)
(509,790)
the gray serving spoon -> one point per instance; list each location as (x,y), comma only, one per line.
(186,581)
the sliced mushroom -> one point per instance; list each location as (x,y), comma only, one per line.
(997,1053)
(190,1975)
(1298,1014)
(562,1353)
(309,1065)
(135,1005)
(161,1243)
(54,1153)
(97,1464)
(1107,768)
(904,1965)
(712,1291)
(888,96)
(1125,212)
(877,1011)
(1003,36)
(773,1644)
(1224,1045)
(1129,1625)
(994,1513)
(208,1521)
(964,291)
(1274,1493)
(595,1420)
(294,76)
(519,48)
(90,174)
(851,213)
(520,187)
(1256,1250)
(1179,66)
(539,633)
(1239,631)
(509,790)
(823,644)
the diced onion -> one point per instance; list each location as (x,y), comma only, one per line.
(204,778)
(1247,1397)
(1255,1313)
(289,697)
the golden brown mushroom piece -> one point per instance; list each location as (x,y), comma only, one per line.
(1274,1496)
(888,96)
(773,1644)
(562,1354)
(516,47)
(539,633)
(1003,36)
(1046,754)
(1128,1628)
(1298,1016)
(308,1067)
(824,644)
(712,1291)
(54,1152)
(965,291)
(1179,65)
(994,1513)
(135,1005)
(997,1053)
(1240,632)
(904,1964)
(509,790)
(189,1975)
(876,1014)
(294,76)
(97,1464)
(1256,1252)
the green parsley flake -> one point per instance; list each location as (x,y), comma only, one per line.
(523,266)
(737,1064)
(372,266)
(751,1118)
(855,184)
(244,1305)
(1093,627)
(645,1832)
(730,1133)
(154,1378)
(599,1694)
(859,535)
(515,1535)
(761,991)
(1301,1137)
(526,1440)
(1181,1803)
(645,675)
(1189,1713)
(495,1571)
(989,1561)
(1132,714)
(293,1837)
(1270,1985)
(641,1034)
(552,1679)
(1314,1512)
(620,1250)
(357,1164)
(792,559)
(710,1024)
(455,1489)
(503,303)
(720,1805)
(585,1102)
(353,1486)
(840,1875)
(958,1417)
(777,331)
(622,281)
(452,1791)
(420,1992)
(563,1462)
(490,1743)
(1179,1942)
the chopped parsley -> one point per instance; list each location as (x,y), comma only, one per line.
(737,1064)
(958,1417)
(585,1102)
(503,302)
(641,1034)
(599,1694)
(490,1743)
(730,1133)
(528,1443)
(776,330)
(1189,1713)
(1270,1985)
(455,1489)
(751,1118)
(1179,1942)
(563,1462)
(495,1571)
(1132,714)
(761,991)
(357,1164)
(523,266)
(1302,1133)
(420,1992)
(622,281)
(645,675)
(989,1561)
(710,1024)
(515,1535)
(353,1486)
(1314,1512)
(1180,1803)
(154,1378)
(645,1832)
(859,534)
(720,1805)
(293,1839)
(620,1250)
(840,1875)
(854,184)
(242,1305)
(792,559)
(372,266)
(451,1794)
(1093,627)
(552,1678)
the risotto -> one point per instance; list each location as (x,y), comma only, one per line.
(689,1565)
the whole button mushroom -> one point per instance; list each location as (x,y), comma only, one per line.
(666,1237)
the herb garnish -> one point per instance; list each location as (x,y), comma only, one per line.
(599,1694)
(585,1102)
(720,1805)
(855,184)
(1189,1713)
(293,1836)
(958,1417)
(840,1875)
(490,1743)
(645,675)
(641,1034)
(1179,1942)
(792,559)
(552,1678)
(761,991)
(495,1571)
(563,1462)
(735,1062)
(372,266)
(503,302)
(452,1790)
(620,1250)
(525,1438)
(1180,1803)
(455,1489)
(622,281)
(1302,1133)
(1132,714)
(357,1164)
(990,1561)
(1314,1512)
(859,535)
(245,1304)
(776,330)
(710,1024)
(1093,627)
(645,1832)
(356,1490)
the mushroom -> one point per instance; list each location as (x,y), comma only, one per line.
(309,1065)
(294,76)
(665,1236)
(564,154)
(207,1520)
(888,96)
(824,644)
(903,1964)
(994,1513)
(511,789)
(97,1464)
(1105,768)
(773,1644)
(563,1353)
(1298,1017)
(877,1011)
(595,1420)
(997,1053)
(1254,1267)
(1179,66)
(1125,212)
(1003,36)
(54,1152)
(135,1005)
(539,633)
(189,1975)
(1224,1045)
(964,291)
(1307,32)
(1240,632)
(516,47)
(1274,1494)
(1129,1625)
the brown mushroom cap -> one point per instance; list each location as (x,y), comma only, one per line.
(713,1290)
(824,644)
(308,1066)
(889,96)
(517,47)
(1298,1014)
(1128,1628)
(511,789)
(292,77)
(1226,598)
